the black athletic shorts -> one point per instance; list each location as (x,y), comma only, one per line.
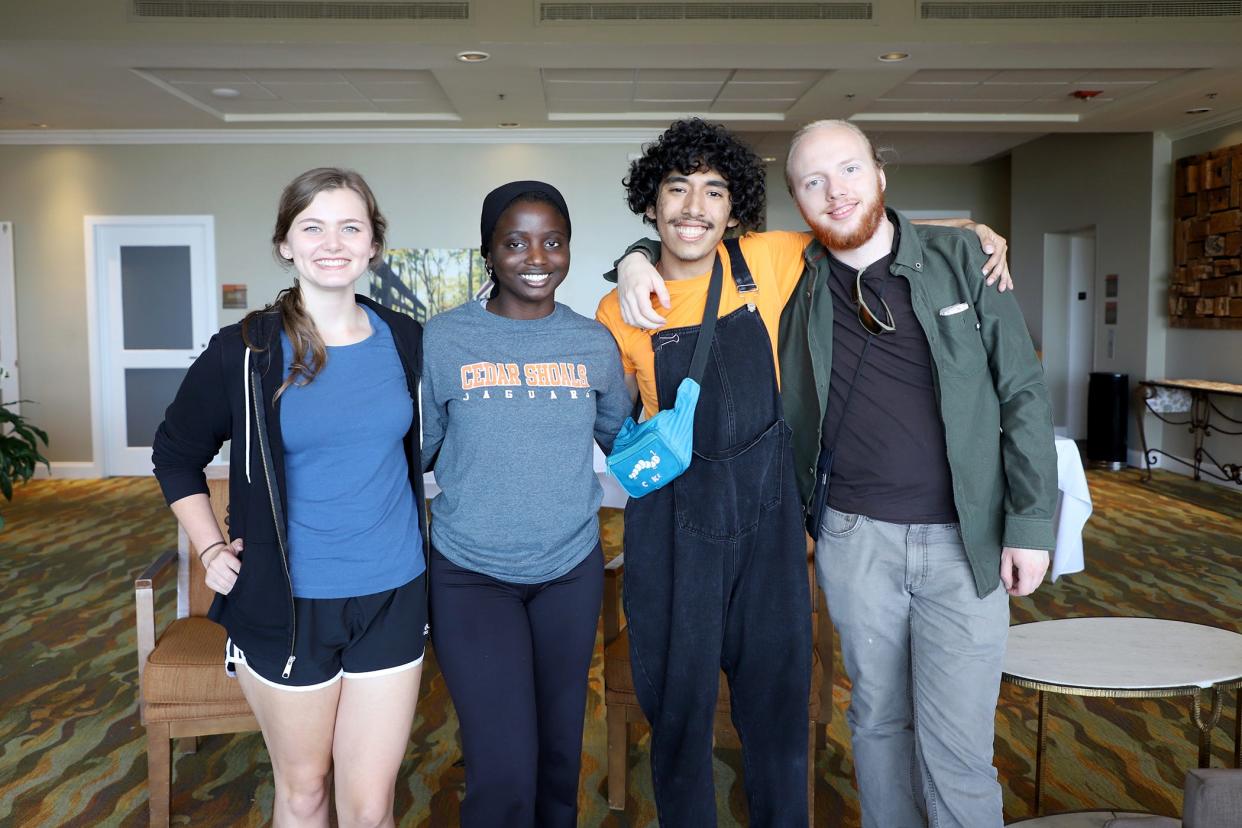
(356,638)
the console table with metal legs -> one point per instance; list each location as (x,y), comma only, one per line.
(1120,658)
(1193,399)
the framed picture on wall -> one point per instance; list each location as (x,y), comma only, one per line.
(233,296)
(423,281)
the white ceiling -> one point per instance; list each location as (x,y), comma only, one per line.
(971,89)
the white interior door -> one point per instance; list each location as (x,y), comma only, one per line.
(1080,343)
(155,305)
(8,318)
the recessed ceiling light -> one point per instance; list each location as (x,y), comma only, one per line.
(508,124)
(472,56)
(1198,110)
(894,57)
(768,159)
(225,92)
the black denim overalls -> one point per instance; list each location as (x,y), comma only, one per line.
(716,577)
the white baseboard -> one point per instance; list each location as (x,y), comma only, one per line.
(1134,459)
(69,469)
(82,469)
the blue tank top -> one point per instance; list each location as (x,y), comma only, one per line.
(353,524)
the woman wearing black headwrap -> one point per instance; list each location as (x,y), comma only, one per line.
(515,394)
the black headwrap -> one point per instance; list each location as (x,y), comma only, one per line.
(499,199)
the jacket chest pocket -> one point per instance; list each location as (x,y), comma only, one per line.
(961,345)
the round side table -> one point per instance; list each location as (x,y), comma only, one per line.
(1136,658)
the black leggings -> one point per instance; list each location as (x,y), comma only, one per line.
(515,659)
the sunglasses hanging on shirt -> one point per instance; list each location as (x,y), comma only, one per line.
(871,323)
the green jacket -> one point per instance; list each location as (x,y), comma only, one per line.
(988,382)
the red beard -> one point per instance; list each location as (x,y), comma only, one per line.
(852,240)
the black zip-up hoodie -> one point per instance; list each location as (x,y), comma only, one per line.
(227,394)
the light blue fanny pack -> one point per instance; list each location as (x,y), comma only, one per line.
(648,455)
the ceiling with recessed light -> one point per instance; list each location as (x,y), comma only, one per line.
(981,75)
(299,95)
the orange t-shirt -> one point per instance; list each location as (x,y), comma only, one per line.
(775,261)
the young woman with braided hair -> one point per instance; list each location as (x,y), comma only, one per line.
(321,584)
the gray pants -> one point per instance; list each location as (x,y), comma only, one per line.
(924,654)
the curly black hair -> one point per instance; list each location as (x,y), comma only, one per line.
(692,145)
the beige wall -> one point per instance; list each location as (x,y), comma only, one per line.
(430,193)
(1120,185)
(1068,183)
(980,189)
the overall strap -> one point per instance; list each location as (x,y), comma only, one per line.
(737,264)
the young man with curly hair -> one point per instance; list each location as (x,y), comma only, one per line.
(716,566)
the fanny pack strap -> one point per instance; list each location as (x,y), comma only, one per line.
(708,329)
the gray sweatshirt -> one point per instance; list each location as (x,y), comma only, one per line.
(513,407)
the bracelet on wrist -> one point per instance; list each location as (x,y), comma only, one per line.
(209,548)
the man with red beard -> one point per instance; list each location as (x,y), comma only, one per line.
(924,452)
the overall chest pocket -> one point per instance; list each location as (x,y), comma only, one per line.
(961,345)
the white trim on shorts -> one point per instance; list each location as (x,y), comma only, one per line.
(234,654)
(385,671)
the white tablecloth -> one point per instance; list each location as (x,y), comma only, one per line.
(1073,509)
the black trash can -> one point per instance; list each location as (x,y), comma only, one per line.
(1108,415)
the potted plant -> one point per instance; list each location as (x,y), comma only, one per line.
(19,450)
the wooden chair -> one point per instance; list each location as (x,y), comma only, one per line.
(183,690)
(621,703)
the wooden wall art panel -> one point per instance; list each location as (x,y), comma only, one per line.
(1205,290)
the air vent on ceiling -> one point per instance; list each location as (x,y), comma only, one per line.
(1068,9)
(303,9)
(557,12)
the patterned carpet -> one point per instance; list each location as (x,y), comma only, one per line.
(72,751)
